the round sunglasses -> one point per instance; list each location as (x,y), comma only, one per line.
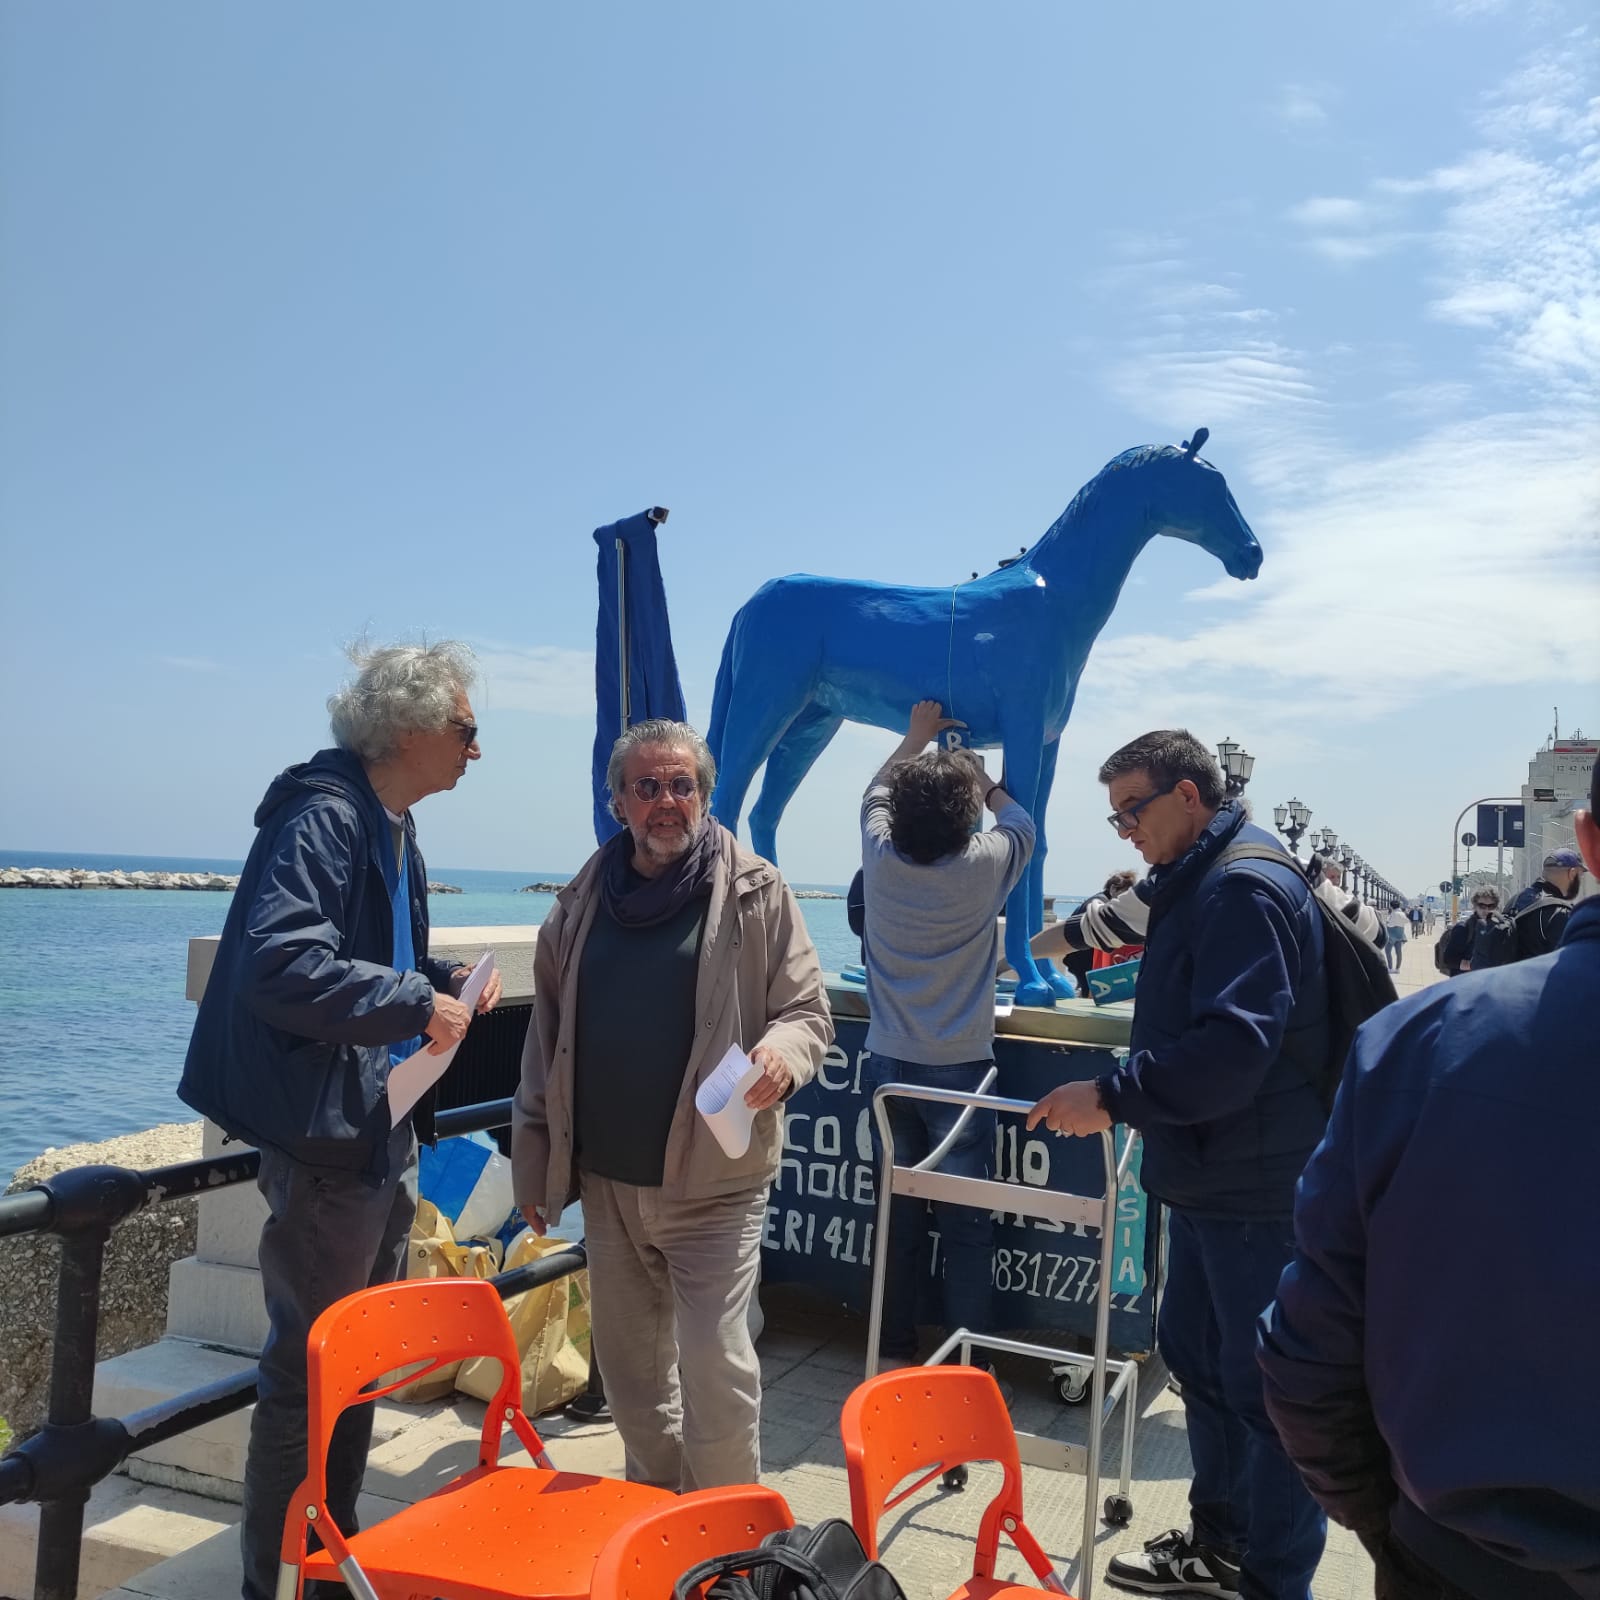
(680,787)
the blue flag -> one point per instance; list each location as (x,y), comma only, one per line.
(654,689)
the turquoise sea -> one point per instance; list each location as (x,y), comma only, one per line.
(93,1022)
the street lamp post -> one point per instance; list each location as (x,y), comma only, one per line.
(1292,819)
(1237,764)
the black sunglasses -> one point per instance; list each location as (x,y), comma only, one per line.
(469,732)
(680,787)
(1127,821)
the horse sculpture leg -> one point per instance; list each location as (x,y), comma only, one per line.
(793,757)
(752,729)
(1024,762)
(1061,984)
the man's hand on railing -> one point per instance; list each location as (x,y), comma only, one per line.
(1073,1109)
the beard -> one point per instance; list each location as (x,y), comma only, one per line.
(664,845)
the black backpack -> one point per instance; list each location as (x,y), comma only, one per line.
(1359,984)
(821,1563)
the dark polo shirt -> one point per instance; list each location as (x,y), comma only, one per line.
(636,1004)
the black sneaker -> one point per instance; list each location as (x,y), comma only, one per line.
(1175,1564)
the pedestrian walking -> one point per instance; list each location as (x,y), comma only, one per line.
(1395,925)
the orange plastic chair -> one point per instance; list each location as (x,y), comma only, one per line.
(918,1422)
(643,1560)
(494,1531)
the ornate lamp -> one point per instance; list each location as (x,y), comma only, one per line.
(1237,764)
(1292,819)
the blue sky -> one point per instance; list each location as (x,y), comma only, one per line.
(317,320)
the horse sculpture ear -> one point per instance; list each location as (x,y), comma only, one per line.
(1191,447)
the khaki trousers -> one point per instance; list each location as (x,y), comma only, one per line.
(670,1284)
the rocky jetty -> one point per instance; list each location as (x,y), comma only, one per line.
(84,878)
(541,888)
(817,894)
(443,888)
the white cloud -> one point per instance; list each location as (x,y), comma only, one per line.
(1399,572)
(1302,105)
(1328,211)
(545,678)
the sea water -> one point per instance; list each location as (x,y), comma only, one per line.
(93,1019)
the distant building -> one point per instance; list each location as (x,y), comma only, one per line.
(1558,784)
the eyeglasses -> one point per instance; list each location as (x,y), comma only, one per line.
(680,787)
(1127,821)
(469,732)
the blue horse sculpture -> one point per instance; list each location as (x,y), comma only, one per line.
(1003,652)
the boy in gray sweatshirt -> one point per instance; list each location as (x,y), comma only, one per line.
(934,886)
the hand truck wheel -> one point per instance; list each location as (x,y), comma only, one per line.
(1072,1385)
(955,1478)
(1119,1510)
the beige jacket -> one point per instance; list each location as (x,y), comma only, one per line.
(759,983)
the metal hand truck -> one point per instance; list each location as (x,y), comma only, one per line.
(925,1182)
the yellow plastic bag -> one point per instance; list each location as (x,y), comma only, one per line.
(551,1325)
(432,1252)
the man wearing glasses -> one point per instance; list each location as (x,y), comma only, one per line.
(671,944)
(1484,939)
(322,983)
(1223,1079)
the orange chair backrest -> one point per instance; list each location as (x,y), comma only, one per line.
(917,1422)
(375,1331)
(645,1557)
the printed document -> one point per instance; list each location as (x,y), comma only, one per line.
(720,1100)
(418,1073)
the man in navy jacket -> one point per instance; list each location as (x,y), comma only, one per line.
(322,983)
(1229,1048)
(1426,1360)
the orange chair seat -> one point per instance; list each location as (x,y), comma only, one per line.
(547,1528)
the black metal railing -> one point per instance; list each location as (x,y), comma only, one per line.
(74,1450)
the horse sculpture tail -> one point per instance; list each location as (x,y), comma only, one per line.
(722,695)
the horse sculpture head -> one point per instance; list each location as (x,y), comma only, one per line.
(1187,498)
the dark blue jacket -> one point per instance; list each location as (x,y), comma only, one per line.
(1428,1360)
(1230,1030)
(291,1044)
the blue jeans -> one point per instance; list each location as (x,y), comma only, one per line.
(1246,1498)
(329,1234)
(966,1234)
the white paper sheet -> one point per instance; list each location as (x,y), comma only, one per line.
(720,1100)
(418,1073)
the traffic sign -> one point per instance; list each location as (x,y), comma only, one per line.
(1502,825)
(1469,839)
(1444,886)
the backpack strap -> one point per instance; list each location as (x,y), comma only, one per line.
(728,1567)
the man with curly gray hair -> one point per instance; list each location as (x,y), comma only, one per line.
(322,983)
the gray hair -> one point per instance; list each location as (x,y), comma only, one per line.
(676,735)
(398,689)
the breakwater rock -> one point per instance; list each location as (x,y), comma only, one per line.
(84,878)
(443,888)
(541,888)
(817,894)
(133,1289)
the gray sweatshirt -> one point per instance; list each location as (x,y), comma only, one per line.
(932,940)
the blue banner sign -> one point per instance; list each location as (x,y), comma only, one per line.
(1501,825)
(823,1209)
